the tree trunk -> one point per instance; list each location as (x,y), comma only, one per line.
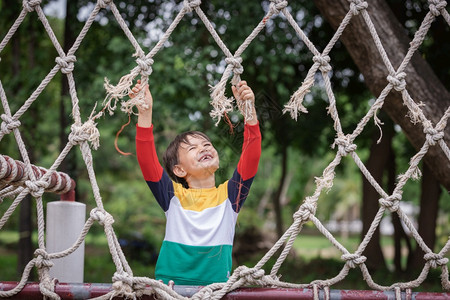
(429,207)
(399,235)
(422,83)
(277,198)
(376,165)
(25,251)
(399,232)
(68,165)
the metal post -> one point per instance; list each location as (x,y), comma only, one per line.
(65,220)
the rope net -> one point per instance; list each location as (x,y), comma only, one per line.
(85,135)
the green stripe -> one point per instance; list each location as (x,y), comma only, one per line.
(193,265)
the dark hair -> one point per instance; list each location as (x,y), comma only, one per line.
(170,157)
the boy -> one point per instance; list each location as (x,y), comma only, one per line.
(200,217)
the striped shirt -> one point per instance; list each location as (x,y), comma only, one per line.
(200,223)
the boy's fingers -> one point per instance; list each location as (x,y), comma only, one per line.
(136,88)
(235,90)
(171,284)
(246,91)
(247,97)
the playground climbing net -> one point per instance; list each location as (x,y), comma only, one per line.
(86,136)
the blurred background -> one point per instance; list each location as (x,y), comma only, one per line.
(294,152)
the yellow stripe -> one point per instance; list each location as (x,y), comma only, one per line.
(200,199)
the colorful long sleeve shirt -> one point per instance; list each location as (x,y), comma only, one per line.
(200,223)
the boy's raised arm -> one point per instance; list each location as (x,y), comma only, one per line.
(157,180)
(240,182)
(251,148)
(145,145)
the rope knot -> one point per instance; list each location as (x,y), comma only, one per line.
(435,260)
(205,293)
(123,277)
(398,81)
(42,260)
(86,132)
(103,3)
(433,135)
(353,260)
(250,274)
(8,124)
(392,202)
(123,284)
(36,188)
(344,145)
(236,63)
(357,5)
(101,216)
(190,5)
(324,62)
(436,6)
(304,212)
(145,64)
(30,5)
(66,63)
(277,5)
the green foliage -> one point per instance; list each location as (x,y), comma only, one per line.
(22,70)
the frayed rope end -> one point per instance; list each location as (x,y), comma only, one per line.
(117,92)
(221,104)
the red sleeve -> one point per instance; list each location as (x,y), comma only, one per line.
(146,154)
(251,152)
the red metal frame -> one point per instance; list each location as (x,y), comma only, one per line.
(91,290)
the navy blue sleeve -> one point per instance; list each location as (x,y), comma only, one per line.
(162,190)
(238,190)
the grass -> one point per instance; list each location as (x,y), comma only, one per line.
(313,246)
(315,258)
(9,237)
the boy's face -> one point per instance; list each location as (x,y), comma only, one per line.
(197,158)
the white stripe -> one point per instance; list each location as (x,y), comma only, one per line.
(210,227)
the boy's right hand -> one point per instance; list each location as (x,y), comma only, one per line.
(148,99)
(242,92)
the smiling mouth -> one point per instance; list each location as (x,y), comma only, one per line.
(205,158)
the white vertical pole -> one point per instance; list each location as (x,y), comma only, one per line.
(65,220)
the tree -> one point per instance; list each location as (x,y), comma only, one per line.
(422,84)
(68,165)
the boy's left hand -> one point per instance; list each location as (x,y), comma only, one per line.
(242,92)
